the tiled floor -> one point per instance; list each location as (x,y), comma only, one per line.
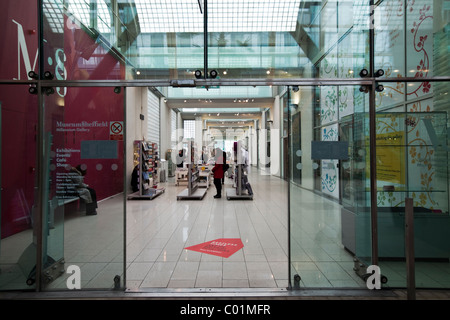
(156,256)
(158,231)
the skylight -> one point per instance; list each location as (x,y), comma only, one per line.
(161,16)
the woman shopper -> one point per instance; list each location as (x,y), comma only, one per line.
(218,172)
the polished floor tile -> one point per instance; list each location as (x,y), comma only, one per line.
(158,232)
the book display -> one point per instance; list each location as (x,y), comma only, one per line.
(145,174)
(193,178)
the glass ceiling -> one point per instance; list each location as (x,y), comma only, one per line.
(160,16)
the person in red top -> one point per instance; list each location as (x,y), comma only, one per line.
(218,172)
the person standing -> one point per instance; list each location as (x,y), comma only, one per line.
(180,158)
(218,172)
(84,191)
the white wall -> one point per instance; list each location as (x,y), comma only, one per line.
(275,138)
(306,138)
(165,127)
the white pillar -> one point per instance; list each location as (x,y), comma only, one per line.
(275,138)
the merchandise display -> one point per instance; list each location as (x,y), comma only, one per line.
(193,178)
(242,188)
(145,174)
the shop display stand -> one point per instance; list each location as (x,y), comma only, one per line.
(192,191)
(205,178)
(242,188)
(146,159)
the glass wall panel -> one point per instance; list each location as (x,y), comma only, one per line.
(412,39)
(19,117)
(246,39)
(287,39)
(84,141)
(412,153)
(18,245)
(87,40)
(412,162)
(330,219)
(19,37)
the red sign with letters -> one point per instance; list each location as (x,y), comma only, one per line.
(224,248)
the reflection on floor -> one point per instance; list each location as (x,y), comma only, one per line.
(160,230)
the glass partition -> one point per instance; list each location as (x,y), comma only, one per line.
(412,162)
(19,121)
(411,40)
(83,227)
(87,40)
(18,245)
(329,216)
(245,39)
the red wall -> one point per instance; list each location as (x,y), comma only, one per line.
(19,117)
(19,110)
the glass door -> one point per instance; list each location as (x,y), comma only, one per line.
(330,226)
(83,224)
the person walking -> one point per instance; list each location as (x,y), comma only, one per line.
(218,172)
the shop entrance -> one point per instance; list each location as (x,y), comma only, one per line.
(186,238)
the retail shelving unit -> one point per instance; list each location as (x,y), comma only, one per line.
(242,188)
(193,176)
(204,177)
(146,161)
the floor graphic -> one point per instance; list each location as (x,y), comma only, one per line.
(220,247)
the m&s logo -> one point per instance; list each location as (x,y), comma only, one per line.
(57,63)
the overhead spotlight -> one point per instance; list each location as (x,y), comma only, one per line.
(379,73)
(379,88)
(213,74)
(295,88)
(363,73)
(117,90)
(198,74)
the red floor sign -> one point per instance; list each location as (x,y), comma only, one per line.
(220,247)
